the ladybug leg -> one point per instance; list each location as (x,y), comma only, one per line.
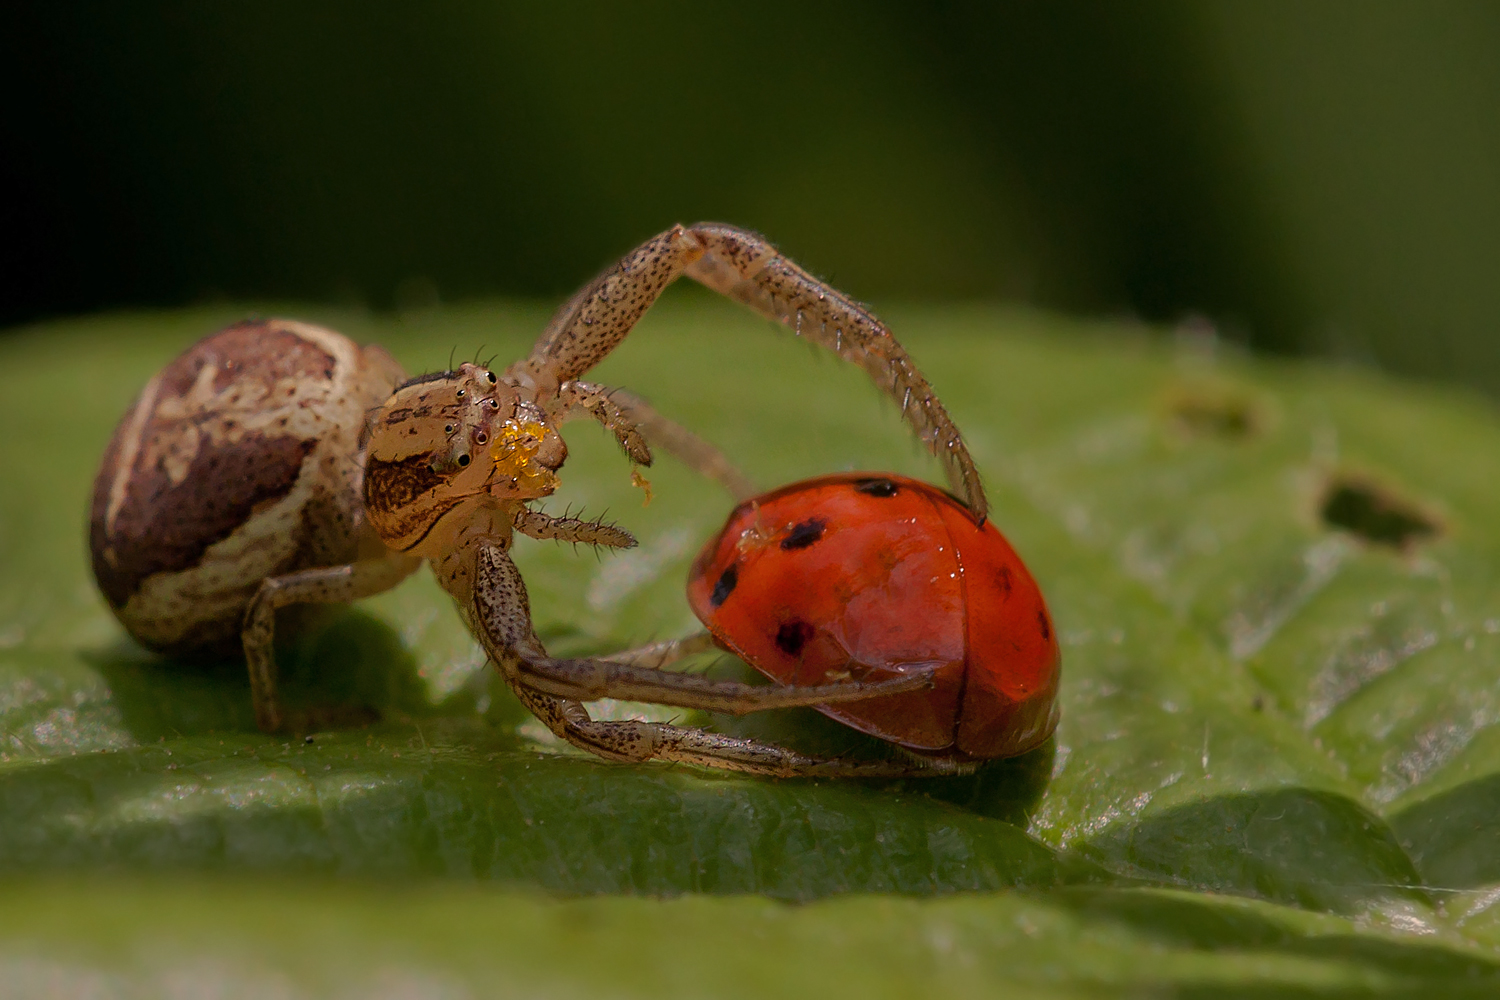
(327,585)
(744,266)
(501,614)
(637,742)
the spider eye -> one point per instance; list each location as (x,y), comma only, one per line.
(459,394)
(447,428)
(491,377)
(463,460)
(481,437)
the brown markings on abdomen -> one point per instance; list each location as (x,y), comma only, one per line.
(163,528)
(253,351)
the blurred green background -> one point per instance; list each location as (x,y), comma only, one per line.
(1319,178)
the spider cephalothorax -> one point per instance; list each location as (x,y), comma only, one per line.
(450,444)
(444,470)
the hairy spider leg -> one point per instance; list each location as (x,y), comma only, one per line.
(325,585)
(745,267)
(553,689)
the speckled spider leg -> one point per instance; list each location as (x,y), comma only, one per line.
(501,614)
(744,267)
(635,742)
(629,418)
(594,400)
(572,529)
(328,585)
(545,527)
(501,610)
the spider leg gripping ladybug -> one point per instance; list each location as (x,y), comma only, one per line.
(276,463)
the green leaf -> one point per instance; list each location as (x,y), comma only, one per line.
(1277,767)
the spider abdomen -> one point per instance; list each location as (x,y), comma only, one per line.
(239,461)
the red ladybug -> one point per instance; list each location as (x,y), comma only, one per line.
(869,575)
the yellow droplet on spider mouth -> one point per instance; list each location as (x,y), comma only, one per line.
(514,455)
(642,483)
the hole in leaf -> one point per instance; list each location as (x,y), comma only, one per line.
(1215,411)
(1375,514)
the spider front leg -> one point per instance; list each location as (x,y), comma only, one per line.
(503,618)
(744,266)
(502,614)
(634,742)
(326,585)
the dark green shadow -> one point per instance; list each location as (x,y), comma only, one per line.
(1409,968)
(341,666)
(1007,790)
(1301,847)
(1454,836)
(453,798)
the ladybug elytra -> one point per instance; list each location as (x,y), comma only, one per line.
(869,576)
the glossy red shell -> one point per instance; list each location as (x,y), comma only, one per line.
(870,575)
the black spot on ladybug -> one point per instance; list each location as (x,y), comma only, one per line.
(792,636)
(1041,617)
(804,534)
(727,581)
(875,487)
(1002,579)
